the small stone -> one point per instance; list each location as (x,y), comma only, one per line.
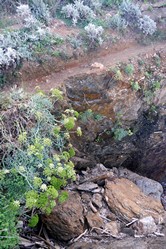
(150,187)
(97,190)
(100,166)
(87,186)
(145,226)
(111,216)
(112,227)
(86,197)
(97,200)
(94,220)
(97,65)
(128,230)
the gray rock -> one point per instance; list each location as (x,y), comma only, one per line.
(97,200)
(150,187)
(145,226)
(87,186)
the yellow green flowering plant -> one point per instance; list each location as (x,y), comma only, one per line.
(38,151)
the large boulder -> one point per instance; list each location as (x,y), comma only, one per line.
(148,186)
(66,220)
(126,200)
(104,94)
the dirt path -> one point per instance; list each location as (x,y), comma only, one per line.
(108,57)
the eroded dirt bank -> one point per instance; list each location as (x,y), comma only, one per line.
(55,73)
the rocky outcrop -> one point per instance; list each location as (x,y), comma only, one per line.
(103,94)
(103,205)
(140,111)
(126,200)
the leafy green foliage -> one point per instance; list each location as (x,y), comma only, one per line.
(118,131)
(63,196)
(34,220)
(110,3)
(135,85)
(57,93)
(153,83)
(117,73)
(69,123)
(129,69)
(89,114)
(79,131)
(36,154)
(8,230)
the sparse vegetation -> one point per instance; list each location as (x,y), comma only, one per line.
(130,15)
(117,22)
(135,85)
(40,10)
(36,151)
(24,44)
(119,132)
(129,69)
(147,25)
(110,3)
(78,11)
(94,34)
(117,73)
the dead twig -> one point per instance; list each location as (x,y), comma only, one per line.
(46,241)
(41,229)
(133,221)
(105,231)
(79,237)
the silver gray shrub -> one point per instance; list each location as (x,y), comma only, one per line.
(41,11)
(147,25)
(117,22)
(78,11)
(130,12)
(134,18)
(14,45)
(94,33)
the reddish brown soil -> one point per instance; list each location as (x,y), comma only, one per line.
(109,57)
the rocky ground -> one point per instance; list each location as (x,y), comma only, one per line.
(108,208)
